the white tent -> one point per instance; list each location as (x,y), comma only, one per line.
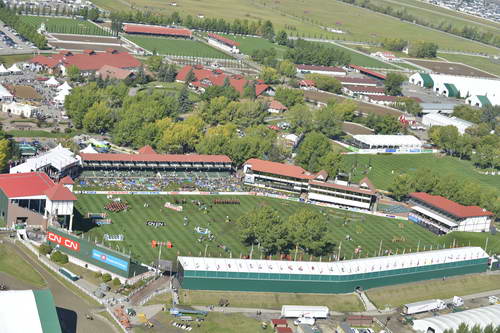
(89,150)
(64,86)
(14,69)
(52,82)
(3,70)
(61,96)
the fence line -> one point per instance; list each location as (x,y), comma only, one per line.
(378,322)
(155,293)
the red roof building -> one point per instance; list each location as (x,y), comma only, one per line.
(146,150)
(368,72)
(31,198)
(280,329)
(279,169)
(204,78)
(442,215)
(114,73)
(148,159)
(276,107)
(326,70)
(357,81)
(89,61)
(223,40)
(307,85)
(363,90)
(67,181)
(156,30)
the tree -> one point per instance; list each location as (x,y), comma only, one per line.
(300,118)
(409,105)
(289,97)
(249,90)
(312,149)
(44,249)
(264,227)
(99,118)
(73,73)
(80,100)
(116,282)
(185,104)
(154,63)
(59,258)
(332,163)
(183,136)
(326,83)
(269,75)
(467,112)
(394,44)
(287,68)
(5,153)
(393,84)
(421,49)
(282,38)
(327,122)
(344,110)
(106,277)
(308,230)
(267,30)
(401,186)
(491,116)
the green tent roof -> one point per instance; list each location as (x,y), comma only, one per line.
(484,100)
(452,90)
(427,79)
(47,311)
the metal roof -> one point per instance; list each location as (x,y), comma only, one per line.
(481,316)
(58,157)
(388,140)
(346,267)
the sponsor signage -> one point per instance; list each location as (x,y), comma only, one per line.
(110,260)
(155,224)
(63,241)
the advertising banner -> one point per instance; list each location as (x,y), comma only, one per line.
(68,243)
(110,260)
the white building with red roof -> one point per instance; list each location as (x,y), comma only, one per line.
(324,70)
(441,215)
(223,43)
(148,159)
(307,85)
(33,199)
(292,178)
(87,62)
(276,107)
(353,90)
(156,30)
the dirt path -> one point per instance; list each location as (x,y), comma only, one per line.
(71,309)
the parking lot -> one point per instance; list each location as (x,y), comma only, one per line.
(11,42)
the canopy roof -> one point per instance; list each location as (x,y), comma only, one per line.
(58,157)
(89,150)
(52,81)
(64,86)
(3,69)
(31,311)
(347,267)
(388,140)
(480,316)
(14,68)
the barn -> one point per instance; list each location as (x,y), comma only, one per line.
(200,273)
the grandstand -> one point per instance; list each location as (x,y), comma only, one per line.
(388,143)
(148,159)
(327,277)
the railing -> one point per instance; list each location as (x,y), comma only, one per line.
(155,293)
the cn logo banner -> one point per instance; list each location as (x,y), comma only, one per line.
(66,242)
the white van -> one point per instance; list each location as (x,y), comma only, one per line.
(305,320)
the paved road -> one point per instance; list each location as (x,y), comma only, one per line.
(70,307)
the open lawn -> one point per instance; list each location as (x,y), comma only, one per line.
(395,296)
(343,303)
(249,44)
(361,59)
(451,68)
(385,167)
(179,47)
(39,134)
(366,230)
(8,60)
(358,23)
(485,64)
(12,264)
(65,25)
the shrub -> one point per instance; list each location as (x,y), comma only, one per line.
(59,258)
(106,277)
(44,249)
(116,282)
(97,275)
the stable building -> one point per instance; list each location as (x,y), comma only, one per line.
(223,43)
(33,199)
(324,70)
(148,159)
(441,215)
(199,273)
(357,81)
(20,109)
(445,108)
(343,195)
(435,119)
(352,90)
(56,163)
(156,30)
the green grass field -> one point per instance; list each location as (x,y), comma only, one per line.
(395,296)
(366,230)
(250,44)
(12,264)
(343,303)
(358,23)
(385,167)
(482,63)
(65,25)
(180,47)
(361,59)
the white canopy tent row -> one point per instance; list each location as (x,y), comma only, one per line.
(64,86)
(61,96)
(58,158)
(14,69)
(89,150)
(52,82)
(3,70)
